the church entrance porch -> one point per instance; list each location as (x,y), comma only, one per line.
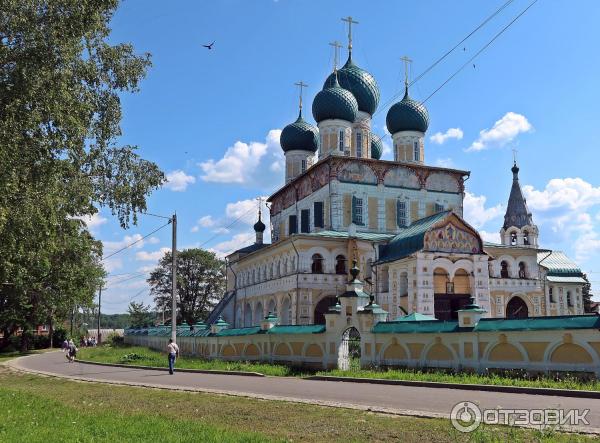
(517,308)
(322,308)
(349,352)
(446,305)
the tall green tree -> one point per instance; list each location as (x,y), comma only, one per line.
(200,284)
(139,314)
(60,113)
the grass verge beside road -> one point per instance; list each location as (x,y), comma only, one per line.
(42,409)
(140,356)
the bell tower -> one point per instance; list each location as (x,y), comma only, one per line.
(518,228)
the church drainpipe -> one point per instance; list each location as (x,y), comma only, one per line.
(374,273)
(297,278)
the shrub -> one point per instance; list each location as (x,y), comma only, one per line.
(115,339)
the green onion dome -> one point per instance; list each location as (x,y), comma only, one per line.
(299,135)
(360,83)
(407,115)
(334,102)
(376,147)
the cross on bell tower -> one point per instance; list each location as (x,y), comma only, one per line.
(336,50)
(407,61)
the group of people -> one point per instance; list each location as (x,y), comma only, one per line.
(70,349)
(88,342)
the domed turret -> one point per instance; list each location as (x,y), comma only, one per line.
(376,147)
(334,103)
(259,229)
(300,136)
(407,115)
(360,83)
(408,121)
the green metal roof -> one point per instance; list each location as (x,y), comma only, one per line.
(238,331)
(360,83)
(558,264)
(334,102)
(297,329)
(410,239)
(491,325)
(415,327)
(372,236)
(416,316)
(299,135)
(407,115)
(539,323)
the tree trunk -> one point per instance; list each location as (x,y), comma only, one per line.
(51,332)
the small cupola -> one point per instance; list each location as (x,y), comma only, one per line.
(259,228)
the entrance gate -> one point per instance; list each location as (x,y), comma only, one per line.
(349,352)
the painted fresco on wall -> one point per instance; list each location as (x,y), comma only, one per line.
(449,238)
(401,177)
(357,173)
(439,181)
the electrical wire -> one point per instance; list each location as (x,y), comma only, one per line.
(137,241)
(226,227)
(481,50)
(446,54)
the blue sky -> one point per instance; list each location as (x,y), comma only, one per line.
(210,119)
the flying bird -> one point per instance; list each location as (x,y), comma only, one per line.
(473,66)
(209,46)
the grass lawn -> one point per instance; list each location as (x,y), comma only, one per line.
(43,409)
(136,355)
(5,356)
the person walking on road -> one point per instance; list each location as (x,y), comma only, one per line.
(173,351)
(71,351)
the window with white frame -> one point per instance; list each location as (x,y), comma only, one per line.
(341,141)
(359,144)
(438,208)
(417,151)
(303,166)
(357,210)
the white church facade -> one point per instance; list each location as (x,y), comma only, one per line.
(401,220)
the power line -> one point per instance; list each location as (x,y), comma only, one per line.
(381,138)
(137,241)
(447,53)
(227,227)
(440,59)
(481,50)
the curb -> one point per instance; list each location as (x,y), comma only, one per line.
(155,368)
(465,387)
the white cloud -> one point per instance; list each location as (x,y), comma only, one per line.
(206,222)
(112,264)
(246,210)
(113,246)
(92,221)
(178,181)
(146,268)
(444,163)
(221,231)
(475,212)
(236,242)
(440,138)
(151,256)
(153,240)
(248,163)
(195,228)
(568,193)
(504,131)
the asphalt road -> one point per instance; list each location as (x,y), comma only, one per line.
(405,400)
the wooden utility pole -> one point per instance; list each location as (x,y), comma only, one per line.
(174,279)
(99,304)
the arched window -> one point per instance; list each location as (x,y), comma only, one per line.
(340,265)
(551,294)
(504,269)
(569,299)
(317,264)
(513,238)
(522,270)
(525,237)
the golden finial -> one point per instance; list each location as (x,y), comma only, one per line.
(407,61)
(300,85)
(336,46)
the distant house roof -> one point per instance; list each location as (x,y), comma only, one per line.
(558,264)
(491,325)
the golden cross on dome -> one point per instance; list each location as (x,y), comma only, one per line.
(515,156)
(259,200)
(407,61)
(350,23)
(336,46)
(300,85)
